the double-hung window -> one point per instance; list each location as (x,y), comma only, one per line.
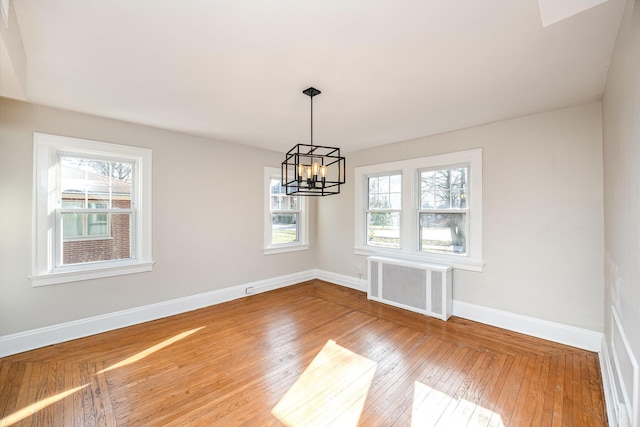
(443,211)
(95,213)
(383,210)
(93,210)
(286,219)
(426,209)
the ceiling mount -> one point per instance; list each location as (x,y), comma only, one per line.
(312,91)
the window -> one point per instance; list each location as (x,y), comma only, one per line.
(383,210)
(427,209)
(95,210)
(286,219)
(443,211)
(92,210)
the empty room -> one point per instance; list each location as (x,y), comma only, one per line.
(307,213)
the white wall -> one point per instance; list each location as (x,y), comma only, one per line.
(207,220)
(543,219)
(621,124)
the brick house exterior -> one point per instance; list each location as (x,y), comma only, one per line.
(89,189)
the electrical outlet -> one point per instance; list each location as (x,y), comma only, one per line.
(249,290)
(359,270)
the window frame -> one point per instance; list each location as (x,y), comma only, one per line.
(440,211)
(409,239)
(46,234)
(303,218)
(368,210)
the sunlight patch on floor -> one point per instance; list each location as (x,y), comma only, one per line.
(432,407)
(144,353)
(331,391)
(37,406)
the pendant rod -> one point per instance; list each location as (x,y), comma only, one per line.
(311,92)
(312,121)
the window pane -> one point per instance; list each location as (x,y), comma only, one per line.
(373,185)
(72,225)
(87,247)
(284,228)
(443,233)
(395,182)
(427,199)
(385,192)
(383,229)
(284,203)
(442,198)
(459,199)
(396,201)
(276,186)
(279,198)
(97,181)
(97,225)
(383,184)
(374,201)
(276,201)
(383,201)
(73,204)
(458,178)
(443,189)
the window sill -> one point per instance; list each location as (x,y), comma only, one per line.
(456,262)
(77,275)
(283,249)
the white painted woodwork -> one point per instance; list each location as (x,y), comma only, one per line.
(420,287)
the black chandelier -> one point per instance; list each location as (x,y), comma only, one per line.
(313,170)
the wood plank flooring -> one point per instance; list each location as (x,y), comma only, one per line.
(310,354)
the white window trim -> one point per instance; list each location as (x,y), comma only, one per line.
(410,203)
(46,149)
(303,229)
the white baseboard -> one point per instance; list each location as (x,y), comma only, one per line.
(29,340)
(352,282)
(552,331)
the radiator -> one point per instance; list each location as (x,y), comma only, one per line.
(420,287)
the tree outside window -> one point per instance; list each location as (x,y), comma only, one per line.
(443,210)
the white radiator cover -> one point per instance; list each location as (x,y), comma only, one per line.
(420,287)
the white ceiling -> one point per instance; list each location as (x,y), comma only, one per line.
(234,70)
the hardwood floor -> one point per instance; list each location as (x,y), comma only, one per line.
(310,354)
